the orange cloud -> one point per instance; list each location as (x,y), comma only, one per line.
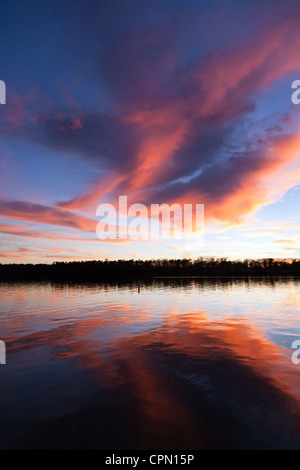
(31,212)
(214,90)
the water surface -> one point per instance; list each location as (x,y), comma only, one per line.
(182,364)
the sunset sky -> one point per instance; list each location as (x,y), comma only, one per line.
(163,101)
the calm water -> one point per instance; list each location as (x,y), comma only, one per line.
(189,364)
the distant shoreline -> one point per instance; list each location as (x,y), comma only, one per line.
(135,270)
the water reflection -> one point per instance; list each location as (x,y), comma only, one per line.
(184,363)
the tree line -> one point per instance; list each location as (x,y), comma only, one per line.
(140,269)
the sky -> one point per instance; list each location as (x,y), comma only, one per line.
(162,102)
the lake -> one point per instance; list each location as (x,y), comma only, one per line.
(177,364)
